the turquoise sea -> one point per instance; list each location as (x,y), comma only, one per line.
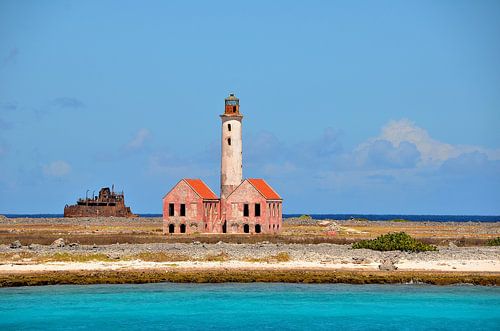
(258,306)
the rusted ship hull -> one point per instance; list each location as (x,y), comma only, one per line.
(97,211)
(107,204)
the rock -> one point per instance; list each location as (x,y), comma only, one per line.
(387,265)
(332,226)
(33,246)
(113,256)
(324,223)
(196,243)
(74,245)
(3,218)
(361,260)
(16,244)
(451,244)
(58,243)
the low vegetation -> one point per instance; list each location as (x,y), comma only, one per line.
(158,257)
(221,257)
(305,217)
(399,220)
(394,242)
(493,242)
(280,257)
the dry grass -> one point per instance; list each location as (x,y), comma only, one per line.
(280,257)
(110,231)
(71,257)
(54,257)
(158,257)
(221,257)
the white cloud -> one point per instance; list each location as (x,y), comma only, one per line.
(57,169)
(139,139)
(432,151)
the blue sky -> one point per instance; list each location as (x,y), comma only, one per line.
(350,106)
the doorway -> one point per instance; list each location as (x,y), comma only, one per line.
(224,227)
(246,228)
(171,228)
(183,228)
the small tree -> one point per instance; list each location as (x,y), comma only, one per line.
(394,242)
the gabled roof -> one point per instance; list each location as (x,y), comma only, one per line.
(201,189)
(263,187)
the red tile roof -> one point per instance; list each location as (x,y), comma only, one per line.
(201,189)
(264,189)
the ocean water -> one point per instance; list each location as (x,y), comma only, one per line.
(371,217)
(258,306)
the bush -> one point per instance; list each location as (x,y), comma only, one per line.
(399,220)
(394,242)
(305,217)
(493,242)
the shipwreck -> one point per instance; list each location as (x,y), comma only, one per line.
(107,203)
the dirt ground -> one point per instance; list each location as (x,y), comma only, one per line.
(105,231)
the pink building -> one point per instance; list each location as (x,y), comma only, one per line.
(245,206)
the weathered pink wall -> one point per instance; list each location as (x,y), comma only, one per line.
(247,194)
(183,193)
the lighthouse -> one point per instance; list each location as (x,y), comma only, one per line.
(248,205)
(231,174)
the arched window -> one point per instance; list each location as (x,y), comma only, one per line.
(228,127)
(229,141)
(171,228)
(257,228)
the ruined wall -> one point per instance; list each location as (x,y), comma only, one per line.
(270,220)
(182,193)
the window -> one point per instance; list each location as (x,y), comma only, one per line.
(229,141)
(245,210)
(257,209)
(234,109)
(183,228)
(170,209)
(229,127)
(246,228)
(257,228)
(171,228)
(183,210)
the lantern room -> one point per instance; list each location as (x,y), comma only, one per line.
(232,105)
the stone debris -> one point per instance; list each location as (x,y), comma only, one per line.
(16,244)
(387,265)
(58,243)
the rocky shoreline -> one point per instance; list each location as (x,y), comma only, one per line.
(64,251)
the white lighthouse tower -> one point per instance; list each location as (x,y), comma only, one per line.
(231,174)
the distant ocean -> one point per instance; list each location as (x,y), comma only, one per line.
(371,217)
(259,306)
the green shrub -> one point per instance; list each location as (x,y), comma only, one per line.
(394,242)
(305,217)
(399,220)
(493,242)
